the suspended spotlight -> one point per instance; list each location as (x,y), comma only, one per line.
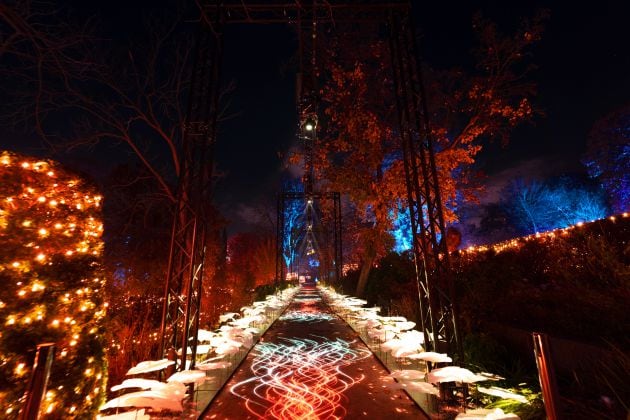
(310,201)
(309,123)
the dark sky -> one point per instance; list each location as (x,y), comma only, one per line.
(584,73)
(584,69)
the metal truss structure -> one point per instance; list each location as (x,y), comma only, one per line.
(180,318)
(438,315)
(182,293)
(331,235)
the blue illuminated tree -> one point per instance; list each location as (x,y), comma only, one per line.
(608,157)
(401,228)
(538,206)
(293,223)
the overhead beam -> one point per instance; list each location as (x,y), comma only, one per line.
(292,12)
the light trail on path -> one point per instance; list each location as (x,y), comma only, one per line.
(310,365)
(300,379)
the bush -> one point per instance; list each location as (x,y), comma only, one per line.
(52,286)
(570,283)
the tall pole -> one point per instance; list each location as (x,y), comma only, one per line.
(39,381)
(546,374)
(280,239)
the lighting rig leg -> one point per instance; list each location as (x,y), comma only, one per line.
(434,281)
(280,238)
(182,294)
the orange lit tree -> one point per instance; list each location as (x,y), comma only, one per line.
(52,286)
(359,154)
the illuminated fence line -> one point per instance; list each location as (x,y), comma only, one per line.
(516,243)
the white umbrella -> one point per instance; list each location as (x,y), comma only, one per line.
(454,374)
(227,349)
(205,335)
(405,325)
(227,316)
(149,399)
(136,383)
(213,365)
(393,319)
(392,344)
(150,366)
(203,349)
(430,356)
(354,302)
(487,414)
(167,390)
(188,376)
(405,351)
(413,336)
(377,334)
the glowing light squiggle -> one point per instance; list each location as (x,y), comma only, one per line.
(306,316)
(300,379)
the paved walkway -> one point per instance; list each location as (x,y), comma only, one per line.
(311,365)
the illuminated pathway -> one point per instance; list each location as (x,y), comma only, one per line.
(311,365)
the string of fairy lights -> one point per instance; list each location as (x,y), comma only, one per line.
(52,291)
(152,336)
(540,237)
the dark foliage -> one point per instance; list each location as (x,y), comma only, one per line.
(571,285)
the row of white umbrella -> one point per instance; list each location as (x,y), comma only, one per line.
(234,335)
(399,338)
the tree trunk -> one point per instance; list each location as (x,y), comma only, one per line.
(366,267)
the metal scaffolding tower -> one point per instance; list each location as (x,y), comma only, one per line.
(182,293)
(436,292)
(332,234)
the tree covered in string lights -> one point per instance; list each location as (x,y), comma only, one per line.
(52,286)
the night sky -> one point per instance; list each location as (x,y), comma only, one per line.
(584,73)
